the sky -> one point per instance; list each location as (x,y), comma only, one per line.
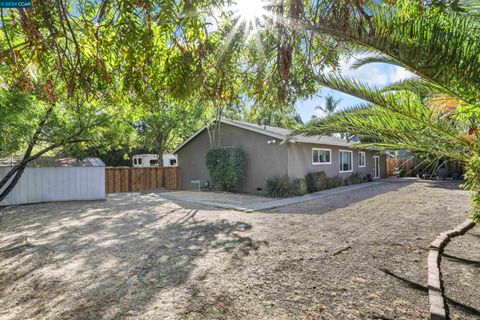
(379,74)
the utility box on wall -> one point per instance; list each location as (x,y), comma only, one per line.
(199,184)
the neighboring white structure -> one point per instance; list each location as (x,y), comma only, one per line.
(63,179)
(170,160)
(151,160)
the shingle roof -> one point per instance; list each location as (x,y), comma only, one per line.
(43,162)
(279,133)
(284,133)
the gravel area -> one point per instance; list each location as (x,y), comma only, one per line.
(358,255)
(461,275)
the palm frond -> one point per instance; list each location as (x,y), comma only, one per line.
(404,124)
(443,50)
(415,85)
(471,7)
(360,62)
(407,105)
(370,93)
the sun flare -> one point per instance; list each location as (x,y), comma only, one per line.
(250,12)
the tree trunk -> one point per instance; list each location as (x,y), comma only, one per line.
(18,172)
(160,148)
(18,169)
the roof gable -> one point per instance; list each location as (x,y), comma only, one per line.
(275,132)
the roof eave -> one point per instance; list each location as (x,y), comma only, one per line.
(235,124)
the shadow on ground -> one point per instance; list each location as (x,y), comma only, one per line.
(460,268)
(93,260)
(137,256)
(411,284)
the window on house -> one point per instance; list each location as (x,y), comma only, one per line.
(361,159)
(173,162)
(139,160)
(321,156)
(135,161)
(154,163)
(345,161)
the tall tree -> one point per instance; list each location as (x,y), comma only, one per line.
(330,106)
(50,56)
(435,113)
(67,58)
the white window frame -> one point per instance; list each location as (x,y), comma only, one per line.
(340,160)
(375,176)
(321,149)
(364,159)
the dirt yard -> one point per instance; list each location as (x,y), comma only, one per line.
(351,256)
(234,199)
(461,276)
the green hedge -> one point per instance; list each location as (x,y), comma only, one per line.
(227,166)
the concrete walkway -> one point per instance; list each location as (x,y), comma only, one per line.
(267,205)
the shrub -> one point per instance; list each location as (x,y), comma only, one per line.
(316,181)
(299,186)
(279,186)
(227,166)
(354,179)
(282,186)
(472,177)
(334,182)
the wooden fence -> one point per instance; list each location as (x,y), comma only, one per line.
(141,179)
(414,166)
(409,166)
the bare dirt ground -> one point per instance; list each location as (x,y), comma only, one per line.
(237,199)
(461,275)
(359,255)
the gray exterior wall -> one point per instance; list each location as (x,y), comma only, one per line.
(263,160)
(300,161)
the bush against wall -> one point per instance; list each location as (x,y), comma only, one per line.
(279,186)
(334,182)
(316,181)
(300,186)
(282,186)
(355,178)
(227,166)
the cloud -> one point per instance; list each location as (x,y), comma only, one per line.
(318,113)
(379,74)
(400,74)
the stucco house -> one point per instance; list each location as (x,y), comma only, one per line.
(267,156)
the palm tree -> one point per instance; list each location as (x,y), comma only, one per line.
(436,113)
(331,105)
